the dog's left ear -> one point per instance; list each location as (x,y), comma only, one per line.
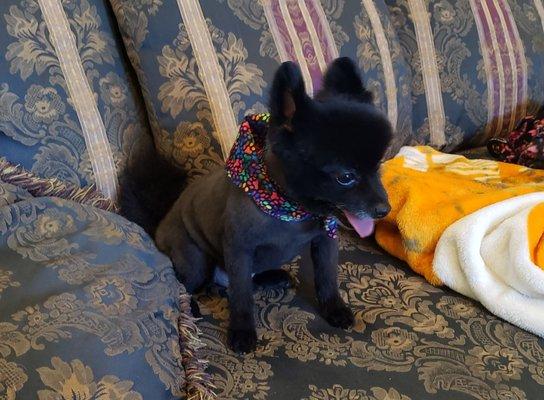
(343,78)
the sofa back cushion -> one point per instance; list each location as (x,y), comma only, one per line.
(203,65)
(477,66)
(68,108)
(449,73)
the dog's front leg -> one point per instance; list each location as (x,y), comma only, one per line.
(242,334)
(331,305)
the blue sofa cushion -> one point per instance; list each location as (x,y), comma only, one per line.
(203,65)
(68,106)
(88,307)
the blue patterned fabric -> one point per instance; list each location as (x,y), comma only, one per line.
(448,73)
(179,104)
(39,127)
(489,61)
(88,306)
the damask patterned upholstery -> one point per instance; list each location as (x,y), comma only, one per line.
(88,307)
(68,106)
(411,341)
(203,65)
(450,73)
(477,66)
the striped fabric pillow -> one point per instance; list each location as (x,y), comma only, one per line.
(68,109)
(450,73)
(203,65)
(477,66)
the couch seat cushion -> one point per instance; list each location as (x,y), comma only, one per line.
(411,341)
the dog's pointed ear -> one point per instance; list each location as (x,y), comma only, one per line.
(343,78)
(288,94)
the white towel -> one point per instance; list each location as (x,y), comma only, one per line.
(486,256)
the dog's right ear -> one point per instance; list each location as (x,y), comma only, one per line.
(288,94)
(344,78)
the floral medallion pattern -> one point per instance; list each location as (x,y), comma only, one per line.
(467,85)
(528,21)
(12,379)
(75,380)
(337,392)
(173,87)
(10,194)
(6,280)
(39,127)
(81,291)
(417,340)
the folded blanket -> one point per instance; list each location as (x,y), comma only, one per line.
(496,256)
(429,191)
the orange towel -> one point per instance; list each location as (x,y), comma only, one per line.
(429,191)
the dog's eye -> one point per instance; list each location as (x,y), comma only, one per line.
(346,179)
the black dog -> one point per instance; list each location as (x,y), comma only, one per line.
(323,153)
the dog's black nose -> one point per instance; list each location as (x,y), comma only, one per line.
(381,210)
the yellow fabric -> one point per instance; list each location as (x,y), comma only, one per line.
(535,226)
(429,190)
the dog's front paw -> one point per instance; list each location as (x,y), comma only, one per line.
(242,340)
(338,314)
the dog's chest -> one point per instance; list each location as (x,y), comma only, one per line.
(281,245)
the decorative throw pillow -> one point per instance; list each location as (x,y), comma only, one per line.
(203,65)
(68,108)
(89,308)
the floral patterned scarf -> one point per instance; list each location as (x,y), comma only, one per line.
(247,170)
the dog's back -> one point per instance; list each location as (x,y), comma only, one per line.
(150,185)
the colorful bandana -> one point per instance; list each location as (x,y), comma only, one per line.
(245,167)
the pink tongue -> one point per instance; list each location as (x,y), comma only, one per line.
(363,226)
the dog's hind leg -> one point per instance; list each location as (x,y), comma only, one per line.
(193,267)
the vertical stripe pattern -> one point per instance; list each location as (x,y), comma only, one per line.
(79,90)
(519,65)
(211,73)
(315,44)
(505,64)
(540,9)
(386,59)
(296,45)
(302,34)
(323,27)
(429,70)
(494,71)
